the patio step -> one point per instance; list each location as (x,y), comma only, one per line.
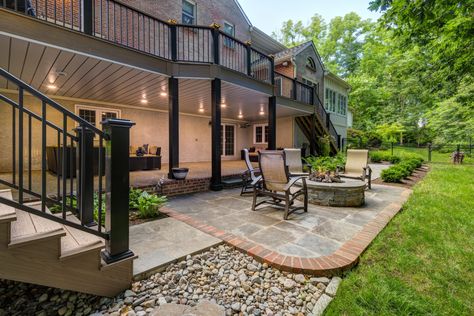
(232,182)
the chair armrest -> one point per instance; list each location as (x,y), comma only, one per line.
(293,181)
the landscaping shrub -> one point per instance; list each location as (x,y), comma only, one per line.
(149,204)
(326,163)
(402,169)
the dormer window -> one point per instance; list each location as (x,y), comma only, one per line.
(189,12)
(310,64)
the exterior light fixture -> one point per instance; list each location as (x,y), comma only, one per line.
(223,105)
(201,109)
(144,101)
(164,94)
(262,112)
(52,87)
(240,116)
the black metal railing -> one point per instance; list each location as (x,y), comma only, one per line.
(124,25)
(293,89)
(325,118)
(69,142)
(58,191)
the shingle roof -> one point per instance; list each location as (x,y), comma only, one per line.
(287,53)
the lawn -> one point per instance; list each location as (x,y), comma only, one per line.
(423,261)
(436,156)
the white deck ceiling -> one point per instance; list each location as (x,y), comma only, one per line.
(94,79)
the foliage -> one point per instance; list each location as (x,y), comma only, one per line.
(413,67)
(149,204)
(325,145)
(402,169)
(390,132)
(326,163)
(134,195)
(421,263)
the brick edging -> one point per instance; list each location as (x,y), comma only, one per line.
(341,260)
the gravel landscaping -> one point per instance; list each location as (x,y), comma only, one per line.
(222,276)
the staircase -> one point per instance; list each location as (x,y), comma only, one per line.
(313,128)
(37,250)
(71,249)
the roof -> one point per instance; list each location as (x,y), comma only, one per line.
(293,51)
(264,42)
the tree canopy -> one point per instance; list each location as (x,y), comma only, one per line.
(415,64)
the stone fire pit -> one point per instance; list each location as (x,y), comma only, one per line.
(348,194)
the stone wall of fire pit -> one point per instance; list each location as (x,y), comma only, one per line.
(346,194)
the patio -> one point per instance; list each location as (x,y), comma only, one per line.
(320,241)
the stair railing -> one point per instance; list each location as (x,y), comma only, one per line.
(69,147)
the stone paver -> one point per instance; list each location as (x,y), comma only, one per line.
(331,289)
(321,305)
(323,241)
(203,308)
(160,242)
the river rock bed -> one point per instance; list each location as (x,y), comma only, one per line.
(222,276)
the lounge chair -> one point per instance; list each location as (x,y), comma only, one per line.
(251,177)
(277,184)
(357,166)
(294,162)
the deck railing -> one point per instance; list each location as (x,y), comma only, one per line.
(293,89)
(73,139)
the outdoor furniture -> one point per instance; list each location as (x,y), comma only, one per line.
(294,162)
(146,162)
(357,166)
(251,177)
(54,160)
(277,184)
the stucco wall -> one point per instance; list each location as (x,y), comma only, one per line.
(151,128)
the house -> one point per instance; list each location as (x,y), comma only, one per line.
(88,80)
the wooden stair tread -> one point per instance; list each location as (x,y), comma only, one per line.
(7,213)
(77,241)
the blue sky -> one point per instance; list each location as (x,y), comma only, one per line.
(268,15)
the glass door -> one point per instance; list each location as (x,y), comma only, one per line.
(227,140)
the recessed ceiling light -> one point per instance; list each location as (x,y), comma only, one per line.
(262,112)
(52,87)
(144,101)
(201,110)
(164,94)
(223,105)
(240,116)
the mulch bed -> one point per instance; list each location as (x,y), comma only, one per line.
(135,220)
(409,182)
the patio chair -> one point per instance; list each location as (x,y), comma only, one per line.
(251,177)
(294,162)
(357,166)
(277,184)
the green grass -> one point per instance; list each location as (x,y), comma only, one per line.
(436,156)
(422,263)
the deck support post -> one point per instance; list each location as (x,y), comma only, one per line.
(216,179)
(173,124)
(117,184)
(272,123)
(85,177)
(88,17)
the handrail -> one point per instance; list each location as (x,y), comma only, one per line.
(49,101)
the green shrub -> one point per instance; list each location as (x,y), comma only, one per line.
(149,204)
(392,174)
(376,156)
(134,195)
(394,159)
(326,163)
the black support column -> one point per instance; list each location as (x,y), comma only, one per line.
(216,183)
(173,125)
(272,123)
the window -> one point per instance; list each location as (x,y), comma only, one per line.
(227,140)
(326,99)
(95,115)
(260,134)
(189,12)
(229,29)
(310,64)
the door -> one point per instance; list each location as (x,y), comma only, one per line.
(227,140)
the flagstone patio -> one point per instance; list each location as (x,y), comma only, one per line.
(322,240)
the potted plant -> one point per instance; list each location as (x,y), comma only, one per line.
(180,173)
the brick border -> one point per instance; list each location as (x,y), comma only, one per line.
(341,260)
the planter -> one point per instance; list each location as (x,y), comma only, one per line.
(180,173)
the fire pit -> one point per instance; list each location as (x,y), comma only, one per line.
(343,194)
